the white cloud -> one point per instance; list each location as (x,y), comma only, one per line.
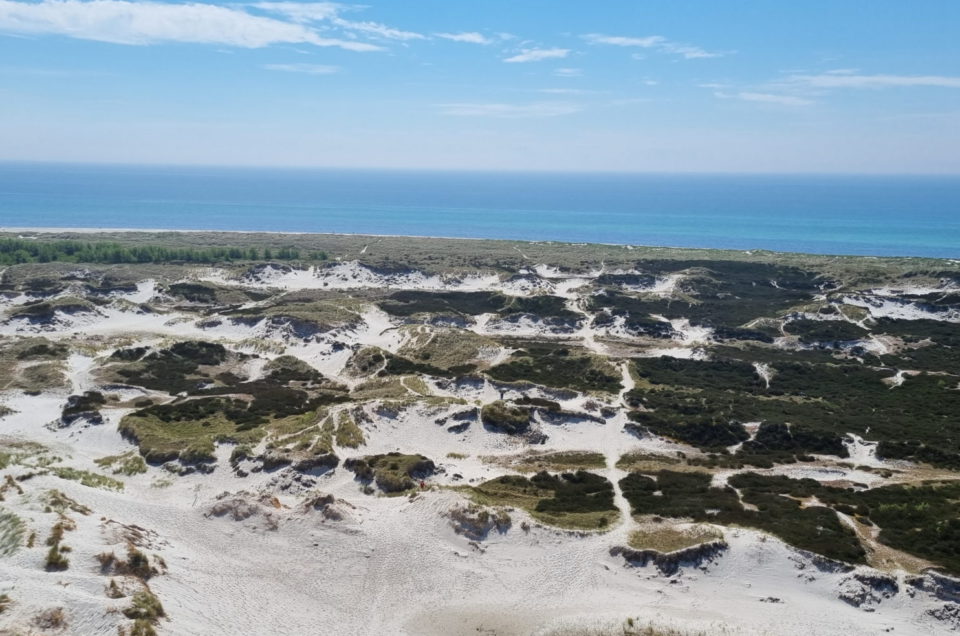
(538,55)
(309,69)
(377,30)
(470,37)
(690,52)
(647,42)
(140,23)
(302,11)
(510,111)
(330,12)
(656,42)
(848,80)
(568,72)
(766,98)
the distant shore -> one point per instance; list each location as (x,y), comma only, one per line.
(443,252)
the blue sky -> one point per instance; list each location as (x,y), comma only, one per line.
(667,86)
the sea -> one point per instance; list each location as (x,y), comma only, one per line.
(856,215)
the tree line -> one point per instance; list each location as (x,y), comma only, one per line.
(15,251)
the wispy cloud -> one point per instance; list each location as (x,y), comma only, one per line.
(656,42)
(302,12)
(647,42)
(537,55)
(141,23)
(376,29)
(510,111)
(568,72)
(330,12)
(850,80)
(470,37)
(309,69)
(766,98)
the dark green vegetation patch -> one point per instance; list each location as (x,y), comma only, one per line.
(578,500)
(704,403)
(635,312)
(408,303)
(393,472)
(923,520)
(725,294)
(16,251)
(825,332)
(690,495)
(172,370)
(505,417)
(931,345)
(392,364)
(557,366)
(218,405)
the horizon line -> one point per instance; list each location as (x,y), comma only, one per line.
(454,170)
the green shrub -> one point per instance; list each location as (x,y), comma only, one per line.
(145,606)
(505,417)
(55,561)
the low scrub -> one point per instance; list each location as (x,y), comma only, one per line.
(691,496)
(506,417)
(476,522)
(145,606)
(664,538)
(127,464)
(570,500)
(557,366)
(392,473)
(560,460)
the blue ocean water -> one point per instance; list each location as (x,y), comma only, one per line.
(895,216)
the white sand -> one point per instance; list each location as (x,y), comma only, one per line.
(394,565)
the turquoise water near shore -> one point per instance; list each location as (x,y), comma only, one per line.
(865,215)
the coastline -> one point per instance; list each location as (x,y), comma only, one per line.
(58,233)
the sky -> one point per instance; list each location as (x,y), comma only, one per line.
(824,86)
